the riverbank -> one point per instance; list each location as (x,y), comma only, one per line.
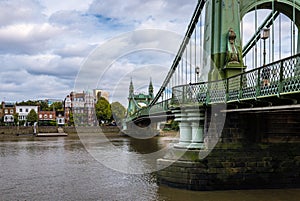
(109,131)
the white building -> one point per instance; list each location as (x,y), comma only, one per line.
(60,120)
(23,111)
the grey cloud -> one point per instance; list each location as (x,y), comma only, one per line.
(20,11)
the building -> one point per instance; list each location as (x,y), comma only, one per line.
(82,105)
(45,117)
(8,111)
(60,119)
(100,93)
(23,111)
(67,109)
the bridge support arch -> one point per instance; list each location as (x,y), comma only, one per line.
(287,7)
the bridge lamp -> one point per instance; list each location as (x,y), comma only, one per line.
(264,34)
(197,71)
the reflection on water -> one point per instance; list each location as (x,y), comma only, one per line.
(61,169)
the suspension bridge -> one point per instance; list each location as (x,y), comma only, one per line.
(234,87)
(212,67)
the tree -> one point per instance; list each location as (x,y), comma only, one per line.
(71,119)
(57,106)
(103,110)
(32,116)
(16,118)
(118,112)
(44,106)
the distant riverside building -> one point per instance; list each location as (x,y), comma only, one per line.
(23,111)
(46,116)
(7,112)
(100,93)
(67,108)
(60,119)
(82,105)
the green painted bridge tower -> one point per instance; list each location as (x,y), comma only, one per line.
(137,101)
(223,38)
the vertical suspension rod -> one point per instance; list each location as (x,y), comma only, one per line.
(267,23)
(185,41)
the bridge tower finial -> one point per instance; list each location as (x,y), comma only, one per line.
(131,88)
(150,89)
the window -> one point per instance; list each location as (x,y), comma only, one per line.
(11,111)
(40,116)
(50,116)
(6,111)
(20,110)
(45,116)
(26,110)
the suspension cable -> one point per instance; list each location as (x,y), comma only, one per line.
(191,27)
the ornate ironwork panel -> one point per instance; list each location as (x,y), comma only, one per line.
(217,91)
(248,89)
(291,75)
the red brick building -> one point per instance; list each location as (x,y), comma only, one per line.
(47,116)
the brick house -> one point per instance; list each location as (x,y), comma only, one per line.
(8,111)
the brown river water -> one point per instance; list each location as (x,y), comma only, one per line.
(61,168)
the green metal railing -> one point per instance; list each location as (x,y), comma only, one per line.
(157,108)
(275,79)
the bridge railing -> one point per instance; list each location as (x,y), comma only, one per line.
(157,108)
(275,79)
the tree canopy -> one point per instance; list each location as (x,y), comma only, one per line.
(118,112)
(103,110)
(57,106)
(32,116)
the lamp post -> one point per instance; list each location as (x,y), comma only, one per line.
(264,34)
(197,71)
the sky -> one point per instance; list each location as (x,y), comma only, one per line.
(45,44)
(50,48)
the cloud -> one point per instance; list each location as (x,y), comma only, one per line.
(27,38)
(21,85)
(54,40)
(58,5)
(20,11)
(146,14)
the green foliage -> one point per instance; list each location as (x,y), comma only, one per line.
(174,125)
(57,106)
(103,110)
(32,116)
(71,119)
(2,121)
(44,106)
(118,112)
(29,103)
(16,118)
(52,123)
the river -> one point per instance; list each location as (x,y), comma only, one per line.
(61,168)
